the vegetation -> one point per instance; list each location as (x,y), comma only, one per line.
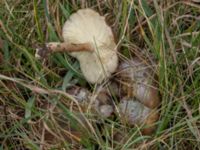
(35,110)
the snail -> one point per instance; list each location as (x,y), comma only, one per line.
(138,80)
(135,113)
(100,102)
(141,97)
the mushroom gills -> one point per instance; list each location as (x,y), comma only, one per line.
(87,26)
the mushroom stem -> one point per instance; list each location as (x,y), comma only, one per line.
(66,47)
(53,47)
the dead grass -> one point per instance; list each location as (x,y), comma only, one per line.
(37,113)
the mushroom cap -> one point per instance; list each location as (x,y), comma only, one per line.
(87,26)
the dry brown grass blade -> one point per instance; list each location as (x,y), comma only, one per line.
(1,46)
(1,43)
(39,90)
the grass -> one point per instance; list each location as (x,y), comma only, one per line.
(35,110)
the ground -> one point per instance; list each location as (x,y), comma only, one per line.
(36,112)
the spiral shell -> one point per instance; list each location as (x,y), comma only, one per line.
(138,80)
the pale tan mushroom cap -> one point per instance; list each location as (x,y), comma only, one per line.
(87,26)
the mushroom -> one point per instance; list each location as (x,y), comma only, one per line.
(135,113)
(89,39)
(138,80)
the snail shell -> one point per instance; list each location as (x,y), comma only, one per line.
(138,80)
(102,101)
(135,113)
